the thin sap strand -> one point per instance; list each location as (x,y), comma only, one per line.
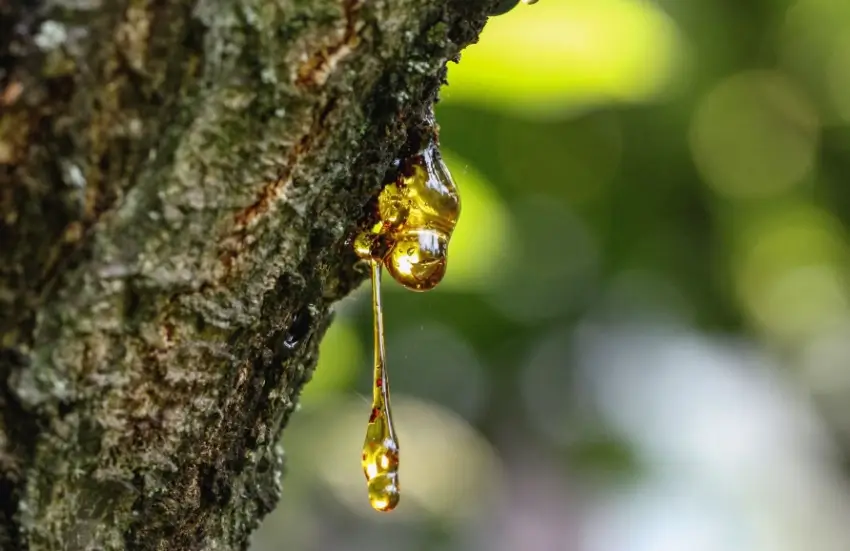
(380,449)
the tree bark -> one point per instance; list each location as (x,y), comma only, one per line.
(178,180)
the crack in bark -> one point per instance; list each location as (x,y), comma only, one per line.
(316,70)
(272,191)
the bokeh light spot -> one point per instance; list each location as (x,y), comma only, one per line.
(438,364)
(754,135)
(787,271)
(555,262)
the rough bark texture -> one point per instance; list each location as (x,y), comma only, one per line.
(177,183)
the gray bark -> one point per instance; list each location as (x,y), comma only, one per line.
(178,180)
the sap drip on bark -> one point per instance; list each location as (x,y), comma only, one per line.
(412,224)
(416,214)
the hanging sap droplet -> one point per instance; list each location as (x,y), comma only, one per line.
(417,215)
(418,260)
(418,253)
(380,463)
(380,448)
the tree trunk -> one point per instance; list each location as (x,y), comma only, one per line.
(177,184)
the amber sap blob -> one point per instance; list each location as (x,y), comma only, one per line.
(380,448)
(426,207)
(417,214)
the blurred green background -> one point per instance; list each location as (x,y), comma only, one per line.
(643,339)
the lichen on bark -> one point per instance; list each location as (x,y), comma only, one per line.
(177,184)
